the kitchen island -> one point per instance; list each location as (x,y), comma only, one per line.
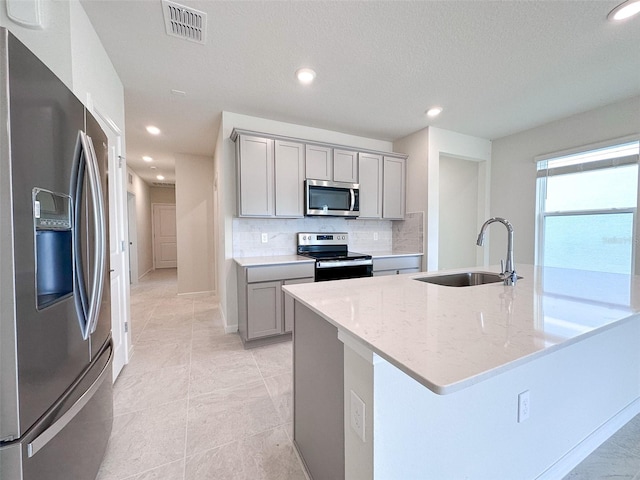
(440,371)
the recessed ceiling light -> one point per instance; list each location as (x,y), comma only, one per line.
(153,130)
(305,75)
(624,10)
(147,158)
(434,111)
(160,177)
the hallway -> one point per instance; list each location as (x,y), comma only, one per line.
(192,404)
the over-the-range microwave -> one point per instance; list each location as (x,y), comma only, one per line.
(337,199)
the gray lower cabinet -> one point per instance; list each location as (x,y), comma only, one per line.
(396,265)
(265,313)
(264,308)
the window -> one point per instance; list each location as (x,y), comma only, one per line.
(587,205)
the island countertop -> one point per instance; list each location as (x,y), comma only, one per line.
(449,338)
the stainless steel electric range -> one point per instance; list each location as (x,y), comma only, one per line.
(334,261)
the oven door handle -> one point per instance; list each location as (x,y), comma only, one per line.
(345,263)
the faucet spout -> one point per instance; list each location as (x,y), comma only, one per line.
(509,270)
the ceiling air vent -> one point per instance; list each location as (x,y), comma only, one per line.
(185,22)
(163,184)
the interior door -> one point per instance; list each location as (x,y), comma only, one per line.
(165,252)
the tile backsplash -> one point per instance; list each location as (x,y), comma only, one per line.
(408,235)
(404,235)
(247,234)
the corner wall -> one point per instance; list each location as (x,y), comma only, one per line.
(194,223)
(513,178)
(424,148)
(140,189)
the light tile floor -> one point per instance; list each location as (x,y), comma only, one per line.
(618,458)
(192,404)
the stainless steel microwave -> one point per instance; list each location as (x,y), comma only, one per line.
(337,199)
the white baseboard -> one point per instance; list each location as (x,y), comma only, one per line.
(228,328)
(204,293)
(231,329)
(145,273)
(581,451)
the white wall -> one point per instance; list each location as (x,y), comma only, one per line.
(95,81)
(162,195)
(194,222)
(51,43)
(513,177)
(457,227)
(424,148)
(225,191)
(140,189)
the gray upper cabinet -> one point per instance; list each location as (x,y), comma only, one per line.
(289,179)
(255,176)
(319,162)
(393,189)
(370,173)
(345,166)
(272,170)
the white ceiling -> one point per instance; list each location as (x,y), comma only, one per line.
(497,67)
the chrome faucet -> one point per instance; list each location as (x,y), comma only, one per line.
(508,268)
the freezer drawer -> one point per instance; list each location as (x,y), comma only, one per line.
(70,441)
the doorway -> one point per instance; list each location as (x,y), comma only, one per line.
(165,246)
(462,207)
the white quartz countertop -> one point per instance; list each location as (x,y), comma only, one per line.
(271,260)
(449,338)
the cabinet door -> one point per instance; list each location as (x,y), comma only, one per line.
(264,309)
(289,174)
(370,185)
(255,176)
(287,301)
(319,162)
(393,190)
(345,166)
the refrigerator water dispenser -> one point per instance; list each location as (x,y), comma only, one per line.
(54,246)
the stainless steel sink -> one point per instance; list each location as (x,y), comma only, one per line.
(465,279)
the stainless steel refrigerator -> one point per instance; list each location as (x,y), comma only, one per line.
(56,408)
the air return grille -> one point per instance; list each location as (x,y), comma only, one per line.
(185,22)
(163,184)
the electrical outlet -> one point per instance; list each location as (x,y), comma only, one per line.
(357,415)
(524,406)
(265,237)
(375,236)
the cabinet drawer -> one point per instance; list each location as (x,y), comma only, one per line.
(396,263)
(270,273)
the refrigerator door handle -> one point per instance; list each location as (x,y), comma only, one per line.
(77,185)
(45,437)
(100,241)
